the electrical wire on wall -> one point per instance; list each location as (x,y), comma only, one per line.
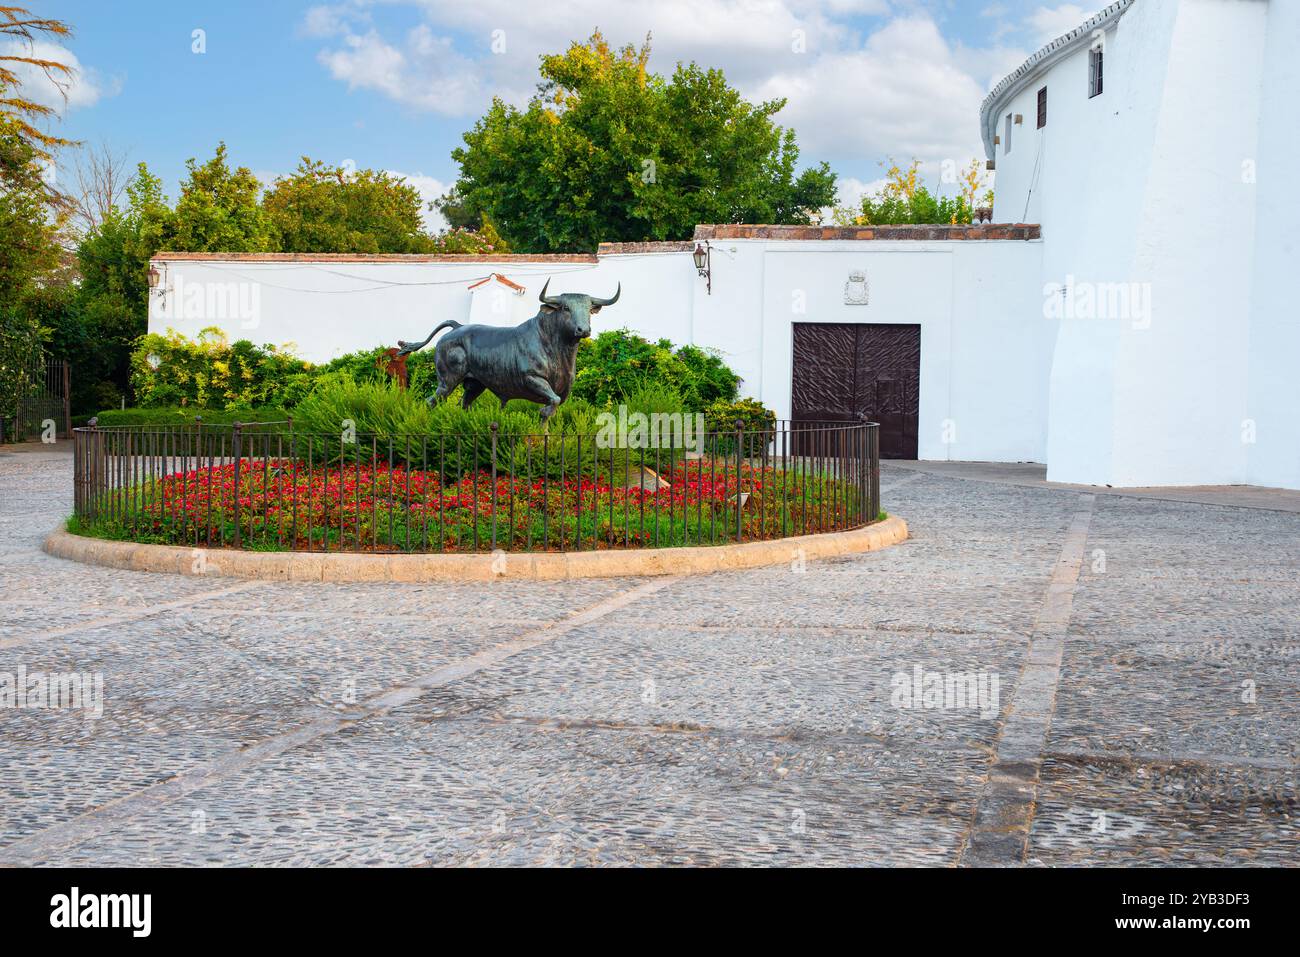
(382,283)
(1033,178)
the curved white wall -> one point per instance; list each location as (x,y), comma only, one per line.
(1151,188)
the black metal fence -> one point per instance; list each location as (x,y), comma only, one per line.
(268,486)
(42,405)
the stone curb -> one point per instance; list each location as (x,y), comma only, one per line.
(614,563)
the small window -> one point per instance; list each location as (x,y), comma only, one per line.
(1042,108)
(1006,137)
(1094,71)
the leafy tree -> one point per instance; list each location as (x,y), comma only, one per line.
(19,109)
(29,221)
(607,150)
(218,211)
(113,295)
(20,339)
(329,209)
(458,212)
(903,200)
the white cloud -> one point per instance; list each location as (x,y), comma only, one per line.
(333,20)
(902,94)
(426,72)
(1048,23)
(61,93)
(499,41)
(860,81)
(852,190)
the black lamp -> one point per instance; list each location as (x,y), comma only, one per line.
(703,257)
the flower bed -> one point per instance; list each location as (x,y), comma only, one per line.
(283,504)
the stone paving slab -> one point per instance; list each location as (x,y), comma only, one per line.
(537,601)
(464,791)
(1127,697)
(1126,813)
(779,682)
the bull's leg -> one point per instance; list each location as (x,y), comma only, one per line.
(450,364)
(473,389)
(544,393)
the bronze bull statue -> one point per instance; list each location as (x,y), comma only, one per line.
(535,360)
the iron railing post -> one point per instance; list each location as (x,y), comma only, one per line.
(740,502)
(236,444)
(874,465)
(67,399)
(493,428)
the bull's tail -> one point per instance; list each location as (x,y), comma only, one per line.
(408,347)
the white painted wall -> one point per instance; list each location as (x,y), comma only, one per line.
(984,347)
(1273,396)
(321,310)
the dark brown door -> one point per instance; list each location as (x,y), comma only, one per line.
(845,370)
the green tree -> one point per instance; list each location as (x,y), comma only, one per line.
(904,200)
(20,340)
(113,295)
(326,209)
(607,150)
(24,30)
(218,211)
(29,217)
(457,210)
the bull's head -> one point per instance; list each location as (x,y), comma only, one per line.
(572,311)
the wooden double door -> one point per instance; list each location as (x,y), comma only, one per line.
(843,371)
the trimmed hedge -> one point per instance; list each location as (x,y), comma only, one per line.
(178,416)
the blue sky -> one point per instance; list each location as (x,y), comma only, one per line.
(392,84)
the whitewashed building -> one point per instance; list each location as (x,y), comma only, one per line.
(1153,144)
(1138,332)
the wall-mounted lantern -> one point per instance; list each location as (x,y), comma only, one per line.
(155,277)
(703,257)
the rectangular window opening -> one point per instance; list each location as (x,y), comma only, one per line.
(1095,56)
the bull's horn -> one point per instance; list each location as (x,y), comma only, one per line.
(608,302)
(553,300)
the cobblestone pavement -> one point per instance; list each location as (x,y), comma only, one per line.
(753,717)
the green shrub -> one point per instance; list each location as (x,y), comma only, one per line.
(177,416)
(722,416)
(616,363)
(708,378)
(755,418)
(651,397)
(367,407)
(213,373)
(364,366)
(445,437)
